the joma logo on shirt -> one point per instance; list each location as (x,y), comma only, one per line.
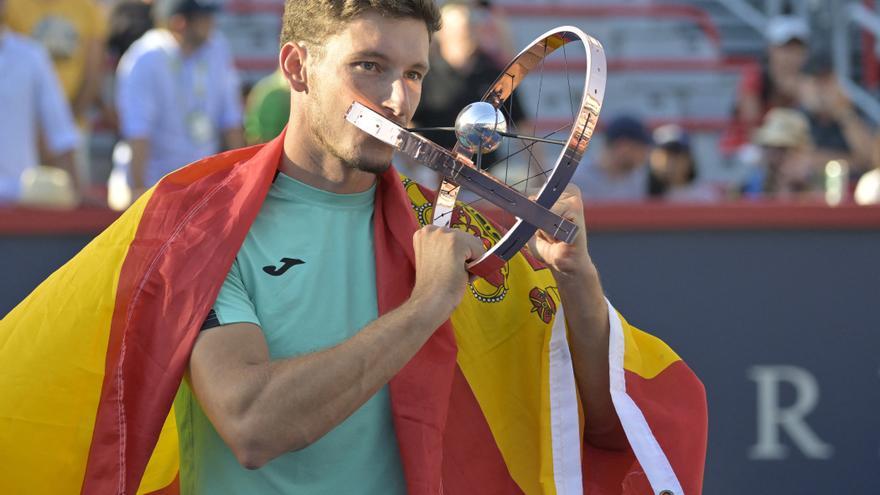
(286,264)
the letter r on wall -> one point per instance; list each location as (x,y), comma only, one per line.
(773,418)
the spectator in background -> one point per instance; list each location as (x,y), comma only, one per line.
(129,20)
(788,167)
(461,73)
(73,31)
(837,129)
(493,32)
(621,172)
(32,101)
(268,109)
(777,83)
(673,170)
(177,92)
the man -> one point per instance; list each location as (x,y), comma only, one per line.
(345,351)
(621,171)
(32,102)
(177,92)
(274,355)
(293,382)
(461,73)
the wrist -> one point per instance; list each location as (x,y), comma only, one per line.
(576,273)
(426,312)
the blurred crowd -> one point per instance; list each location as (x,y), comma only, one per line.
(161,78)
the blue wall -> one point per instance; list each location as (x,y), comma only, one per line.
(736,305)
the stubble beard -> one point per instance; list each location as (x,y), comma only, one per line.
(350,157)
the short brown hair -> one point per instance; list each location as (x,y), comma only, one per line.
(313,20)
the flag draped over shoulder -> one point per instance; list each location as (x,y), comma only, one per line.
(92,359)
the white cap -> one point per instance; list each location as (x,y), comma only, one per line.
(785,128)
(785,28)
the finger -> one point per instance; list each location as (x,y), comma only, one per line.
(471,246)
(573,190)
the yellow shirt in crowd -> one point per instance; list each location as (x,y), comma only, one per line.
(65,28)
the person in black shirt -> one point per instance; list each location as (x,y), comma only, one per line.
(461,73)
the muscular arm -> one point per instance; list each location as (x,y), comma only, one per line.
(586,314)
(263,408)
(587,319)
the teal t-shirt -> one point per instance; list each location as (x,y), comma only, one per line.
(306,275)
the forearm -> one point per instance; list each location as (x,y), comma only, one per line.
(91,85)
(140,153)
(291,403)
(586,314)
(859,139)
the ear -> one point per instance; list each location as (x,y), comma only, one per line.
(292,61)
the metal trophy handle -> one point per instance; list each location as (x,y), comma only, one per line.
(457,165)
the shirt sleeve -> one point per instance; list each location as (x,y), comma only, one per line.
(134,101)
(56,119)
(233,304)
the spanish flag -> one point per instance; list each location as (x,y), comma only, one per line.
(92,360)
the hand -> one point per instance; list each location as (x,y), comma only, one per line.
(564,258)
(441,257)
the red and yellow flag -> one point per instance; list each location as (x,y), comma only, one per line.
(92,359)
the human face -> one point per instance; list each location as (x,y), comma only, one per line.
(627,155)
(788,58)
(199,28)
(674,166)
(458,33)
(375,60)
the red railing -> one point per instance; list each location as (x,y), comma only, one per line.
(648,216)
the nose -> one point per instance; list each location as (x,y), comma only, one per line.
(399,102)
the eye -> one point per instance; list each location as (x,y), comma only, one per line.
(367,66)
(415,75)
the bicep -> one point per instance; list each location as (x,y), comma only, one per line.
(227,368)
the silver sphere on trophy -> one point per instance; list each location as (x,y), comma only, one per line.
(480,126)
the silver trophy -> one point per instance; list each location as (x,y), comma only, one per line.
(480,128)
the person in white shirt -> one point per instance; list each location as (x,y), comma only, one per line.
(178,94)
(32,102)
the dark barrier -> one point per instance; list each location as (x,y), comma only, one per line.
(777,309)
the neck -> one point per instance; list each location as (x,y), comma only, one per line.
(186,48)
(307,161)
